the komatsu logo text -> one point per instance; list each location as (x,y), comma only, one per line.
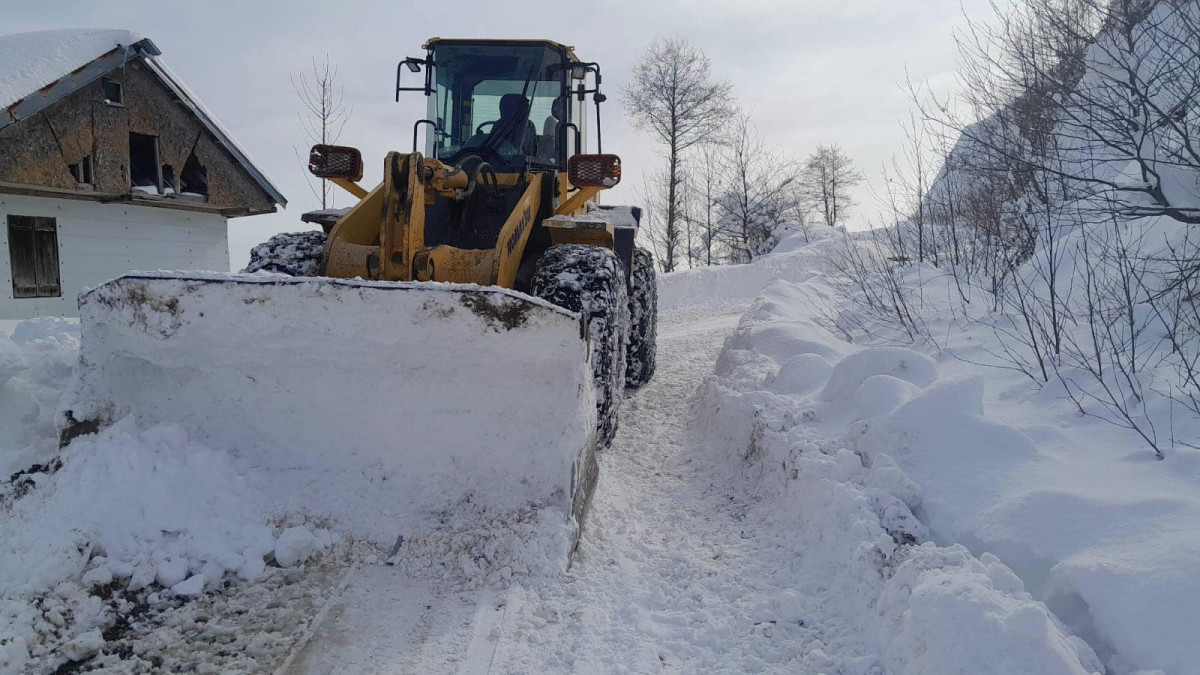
(520,231)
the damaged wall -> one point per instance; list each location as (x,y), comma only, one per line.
(39,150)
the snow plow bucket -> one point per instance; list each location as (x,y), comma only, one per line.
(393,408)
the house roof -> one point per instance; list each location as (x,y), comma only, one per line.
(33,60)
(41,67)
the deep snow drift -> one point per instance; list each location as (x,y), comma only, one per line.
(1094,526)
(788,401)
(1108,537)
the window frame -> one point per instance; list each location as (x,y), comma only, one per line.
(30,230)
(456,86)
(108,100)
(157,164)
(82,171)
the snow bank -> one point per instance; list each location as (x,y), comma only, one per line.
(1106,536)
(35,59)
(36,363)
(742,283)
(945,611)
(1101,533)
(793,404)
(152,513)
(128,495)
(386,407)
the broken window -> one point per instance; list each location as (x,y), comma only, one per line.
(33,257)
(144,169)
(82,171)
(113,91)
(194,177)
(168,178)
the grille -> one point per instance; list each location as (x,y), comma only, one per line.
(594,170)
(335,161)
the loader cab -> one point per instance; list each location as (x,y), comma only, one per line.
(518,104)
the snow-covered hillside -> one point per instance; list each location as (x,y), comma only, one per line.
(777,500)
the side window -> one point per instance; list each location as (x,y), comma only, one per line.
(446,134)
(82,171)
(33,257)
(114,93)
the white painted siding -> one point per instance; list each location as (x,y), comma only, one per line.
(97,242)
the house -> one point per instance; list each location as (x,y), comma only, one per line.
(108,164)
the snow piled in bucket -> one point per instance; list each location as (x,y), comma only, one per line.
(386,407)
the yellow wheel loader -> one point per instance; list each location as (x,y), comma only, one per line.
(457,340)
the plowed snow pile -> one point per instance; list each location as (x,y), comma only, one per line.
(248,427)
(388,407)
(1107,537)
(784,400)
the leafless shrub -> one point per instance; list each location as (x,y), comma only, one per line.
(875,299)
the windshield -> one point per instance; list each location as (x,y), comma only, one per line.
(503,98)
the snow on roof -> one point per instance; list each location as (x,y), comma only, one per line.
(30,61)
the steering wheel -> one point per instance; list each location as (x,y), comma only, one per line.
(479,129)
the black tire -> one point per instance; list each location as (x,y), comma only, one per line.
(296,254)
(643,320)
(591,280)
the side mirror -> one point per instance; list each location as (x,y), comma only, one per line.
(414,65)
(335,161)
(594,170)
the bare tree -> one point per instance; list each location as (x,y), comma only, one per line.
(703,187)
(755,197)
(323,115)
(828,177)
(1080,122)
(673,97)
(651,194)
(1112,82)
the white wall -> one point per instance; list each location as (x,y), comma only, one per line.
(97,242)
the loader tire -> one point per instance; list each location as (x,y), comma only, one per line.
(591,280)
(296,254)
(643,320)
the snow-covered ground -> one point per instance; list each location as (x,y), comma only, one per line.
(776,500)
(1080,509)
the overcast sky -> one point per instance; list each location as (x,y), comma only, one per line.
(810,71)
